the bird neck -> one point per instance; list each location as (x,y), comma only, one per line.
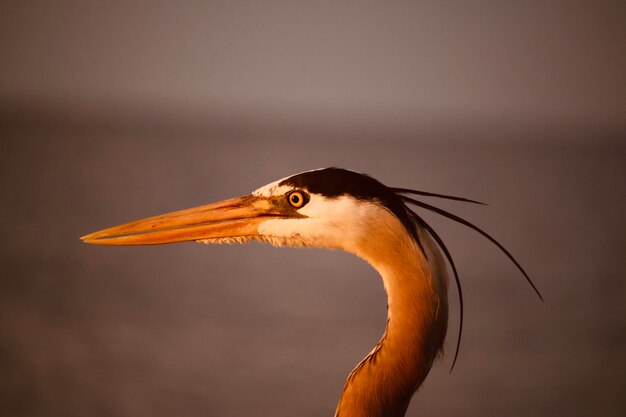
(383,383)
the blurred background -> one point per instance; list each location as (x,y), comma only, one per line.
(112,111)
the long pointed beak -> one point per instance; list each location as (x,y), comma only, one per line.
(233,218)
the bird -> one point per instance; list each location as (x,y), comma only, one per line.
(335,208)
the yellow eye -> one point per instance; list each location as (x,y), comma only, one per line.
(296,199)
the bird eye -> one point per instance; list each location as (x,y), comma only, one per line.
(297,199)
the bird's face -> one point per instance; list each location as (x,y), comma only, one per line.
(314,219)
(278,213)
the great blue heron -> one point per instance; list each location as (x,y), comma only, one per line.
(339,209)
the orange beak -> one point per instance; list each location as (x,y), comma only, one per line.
(233,218)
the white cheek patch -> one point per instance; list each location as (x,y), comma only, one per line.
(294,232)
(334,209)
(334,223)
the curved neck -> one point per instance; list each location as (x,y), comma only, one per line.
(384,382)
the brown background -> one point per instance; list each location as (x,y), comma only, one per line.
(115,111)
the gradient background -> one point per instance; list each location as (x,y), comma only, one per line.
(114,111)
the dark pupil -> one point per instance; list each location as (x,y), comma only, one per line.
(295,199)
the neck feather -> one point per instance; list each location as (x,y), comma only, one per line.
(416,286)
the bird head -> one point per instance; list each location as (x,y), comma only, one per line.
(330,208)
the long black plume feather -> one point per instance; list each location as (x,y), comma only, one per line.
(445,250)
(482,232)
(428,194)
